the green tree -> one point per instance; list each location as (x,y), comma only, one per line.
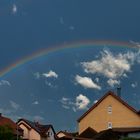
(6,133)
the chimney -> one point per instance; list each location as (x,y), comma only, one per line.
(119,91)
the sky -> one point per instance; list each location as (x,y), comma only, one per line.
(59,57)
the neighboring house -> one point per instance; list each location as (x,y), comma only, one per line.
(61,134)
(110,112)
(4,121)
(36,131)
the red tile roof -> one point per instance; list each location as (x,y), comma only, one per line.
(4,121)
(107,94)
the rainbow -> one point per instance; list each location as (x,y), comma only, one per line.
(53,49)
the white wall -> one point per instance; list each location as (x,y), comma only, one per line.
(51,135)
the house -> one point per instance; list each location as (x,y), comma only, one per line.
(110,112)
(7,122)
(36,131)
(61,134)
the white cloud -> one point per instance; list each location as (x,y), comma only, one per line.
(134,85)
(137,44)
(35,103)
(66,101)
(97,80)
(66,107)
(95,101)
(5,83)
(38,118)
(111,66)
(113,82)
(14,105)
(81,102)
(50,74)
(14,9)
(71,28)
(61,20)
(86,82)
(6,111)
(37,75)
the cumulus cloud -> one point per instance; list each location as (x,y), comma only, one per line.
(50,74)
(137,44)
(5,83)
(111,66)
(113,82)
(14,9)
(37,75)
(14,105)
(71,27)
(134,85)
(81,103)
(35,103)
(61,20)
(86,82)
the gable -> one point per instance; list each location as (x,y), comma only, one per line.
(23,123)
(61,134)
(102,99)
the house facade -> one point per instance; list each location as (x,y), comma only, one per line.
(36,131)
(109,112)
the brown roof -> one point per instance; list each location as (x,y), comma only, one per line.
(4,121)
(71,138)
(126,129)
(88,133)
(68,133)
(107,94)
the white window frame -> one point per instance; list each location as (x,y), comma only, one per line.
(109,125)
(109,109)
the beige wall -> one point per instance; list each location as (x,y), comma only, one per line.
(29,134)
(34,135)
(25,132)
(99,117)
(61,135)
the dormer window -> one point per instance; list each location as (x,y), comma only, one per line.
(109,109)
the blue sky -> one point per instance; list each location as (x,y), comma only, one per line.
(66,82)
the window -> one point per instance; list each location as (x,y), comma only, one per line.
(48,134)
(109,125)
(109,109)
